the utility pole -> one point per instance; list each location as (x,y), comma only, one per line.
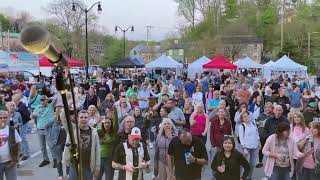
(148,33)
(309,41)
(1,36)
(282,22)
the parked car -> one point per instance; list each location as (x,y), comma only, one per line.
(77,70)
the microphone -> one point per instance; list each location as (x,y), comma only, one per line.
(36,39)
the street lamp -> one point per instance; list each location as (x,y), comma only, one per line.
(124,37)
(85,10)
(309,39)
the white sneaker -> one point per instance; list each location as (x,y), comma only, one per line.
(150,145)
(60,178)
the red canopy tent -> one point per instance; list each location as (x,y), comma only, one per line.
(219,62)
(44,62)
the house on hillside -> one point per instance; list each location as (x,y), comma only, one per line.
(148,53)
(236,47)
(176,51)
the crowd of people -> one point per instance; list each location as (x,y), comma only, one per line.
(230,122)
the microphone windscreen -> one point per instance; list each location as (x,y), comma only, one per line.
(35,39)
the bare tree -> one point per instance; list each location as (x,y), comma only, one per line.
(71,24)
(187,9)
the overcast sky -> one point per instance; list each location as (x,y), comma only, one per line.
(158,13)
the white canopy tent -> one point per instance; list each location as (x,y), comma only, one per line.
(196,66)
(247,62)
(284,65)
(164,62)
(267,70)
(268,64)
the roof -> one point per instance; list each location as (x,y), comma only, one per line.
(177,46)
(240,39)
(127,63)
(141,48)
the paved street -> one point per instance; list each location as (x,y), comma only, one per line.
(30,171)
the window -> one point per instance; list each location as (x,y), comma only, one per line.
(170,52)
(180,52)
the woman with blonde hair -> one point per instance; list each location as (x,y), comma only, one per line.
(249,139)
(298,131)
(167,131)
(298,128)
(199,123)
(311,163)
(94,116)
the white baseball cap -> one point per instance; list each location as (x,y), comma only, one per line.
(135,133)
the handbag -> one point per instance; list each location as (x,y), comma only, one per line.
(317,168)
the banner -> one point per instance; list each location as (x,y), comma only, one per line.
(19,61)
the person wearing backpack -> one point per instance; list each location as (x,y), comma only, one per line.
(249,140)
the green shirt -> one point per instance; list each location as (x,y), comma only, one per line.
(106,144)
(130,92)
(3,106)
(107,140)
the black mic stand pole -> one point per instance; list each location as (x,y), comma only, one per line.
(76,121)
(62,87)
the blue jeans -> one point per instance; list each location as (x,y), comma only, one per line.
(10,172)
(57,151)
(280,173)
(24,131)
(253,153)
(43,137)
(86,173)
(106,169)
(308,174)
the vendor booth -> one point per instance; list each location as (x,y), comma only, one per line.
(219,62)
(248,63)
(284,65)
(196,66)
(164,62)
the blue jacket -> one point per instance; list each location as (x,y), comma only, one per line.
(251,108)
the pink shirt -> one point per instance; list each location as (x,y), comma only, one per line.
(308,161)
(198,128)
(270,146)
(297,133)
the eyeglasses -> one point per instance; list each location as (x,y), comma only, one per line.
(4,117)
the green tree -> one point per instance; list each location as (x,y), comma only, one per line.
(4,23)
(231,9)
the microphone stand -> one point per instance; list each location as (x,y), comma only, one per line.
(62,86)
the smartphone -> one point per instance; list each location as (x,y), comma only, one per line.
(187,155)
